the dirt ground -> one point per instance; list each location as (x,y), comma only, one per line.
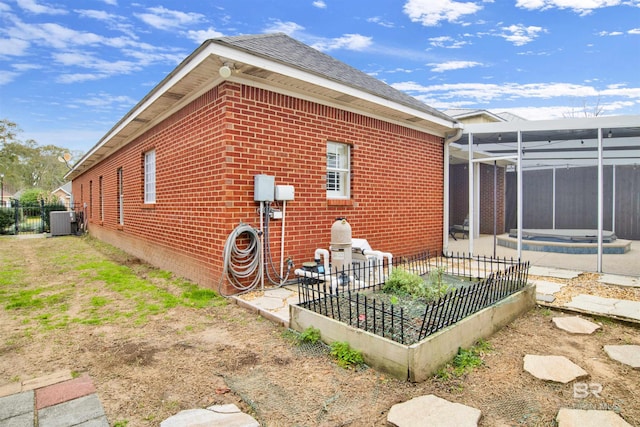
(147,367)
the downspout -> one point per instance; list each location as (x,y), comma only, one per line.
(445,220)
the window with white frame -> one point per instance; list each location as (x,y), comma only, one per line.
(338,171)
(150,176)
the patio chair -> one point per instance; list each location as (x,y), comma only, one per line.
(463,229)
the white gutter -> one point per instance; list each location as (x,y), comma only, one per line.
(445,208)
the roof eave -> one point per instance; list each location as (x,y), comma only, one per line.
(221,54)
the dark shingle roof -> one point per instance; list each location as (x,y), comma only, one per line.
(284,49)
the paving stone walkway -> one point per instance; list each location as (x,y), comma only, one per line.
(56,400)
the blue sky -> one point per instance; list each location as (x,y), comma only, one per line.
(69,70)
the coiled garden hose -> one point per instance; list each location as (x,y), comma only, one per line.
(240,263)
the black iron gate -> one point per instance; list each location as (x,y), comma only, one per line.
(27,218)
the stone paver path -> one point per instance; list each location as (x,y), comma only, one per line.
(553,368)
(575,325)
(430,410)
(627,354)
(589,418)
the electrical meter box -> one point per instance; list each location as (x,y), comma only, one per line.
(263,188)
(284,192)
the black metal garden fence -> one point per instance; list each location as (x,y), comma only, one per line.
(352,296)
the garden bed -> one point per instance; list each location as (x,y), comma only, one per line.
(392,319)
(418,361)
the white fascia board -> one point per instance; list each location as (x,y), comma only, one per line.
(277,67)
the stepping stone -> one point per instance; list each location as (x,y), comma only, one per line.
(545,298)
(553,368)
(611,306)
(613,279)
(536,270)
(548,288)
(433,411)
(219,415)
(627,354)
(589,418)
(575,325)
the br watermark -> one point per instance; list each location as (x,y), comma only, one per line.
(584,390)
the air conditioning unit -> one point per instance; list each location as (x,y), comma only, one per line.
(60,222)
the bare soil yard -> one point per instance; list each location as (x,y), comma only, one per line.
(154,344)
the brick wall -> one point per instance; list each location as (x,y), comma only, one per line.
(208,153)
(486,199)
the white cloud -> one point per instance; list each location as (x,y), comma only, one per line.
(446,42)
(583,7)
(200,36)
(485,91)
(112,21)
(319,4)
(284,27)
(38,9)
(430,12)
(610,33)
(378,20)
(520,35)
(111,2)
(13,47)
(165,19)
(634,31)
(7,77)
(106,101)
(79,77)
(348,41)
(53,35)
(453,65)
(26,67)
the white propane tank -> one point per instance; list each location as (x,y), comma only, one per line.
(340,245)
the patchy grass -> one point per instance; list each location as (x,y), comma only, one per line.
(115,287)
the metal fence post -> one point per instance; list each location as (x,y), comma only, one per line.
(16,216)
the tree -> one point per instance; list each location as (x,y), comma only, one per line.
(587,111)
(26,164)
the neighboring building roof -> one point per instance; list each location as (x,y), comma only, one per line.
(466,114)
(65,188)
(276,62)
(510,117)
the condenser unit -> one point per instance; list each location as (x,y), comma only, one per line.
(60,222)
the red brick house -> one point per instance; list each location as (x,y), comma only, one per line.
(174,177)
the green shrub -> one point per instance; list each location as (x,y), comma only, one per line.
(345,356)
(310,335)
(7,220)
(403,282)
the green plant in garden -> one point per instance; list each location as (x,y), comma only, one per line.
(345,356)
(310,335)
(465,361)
(403,282)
